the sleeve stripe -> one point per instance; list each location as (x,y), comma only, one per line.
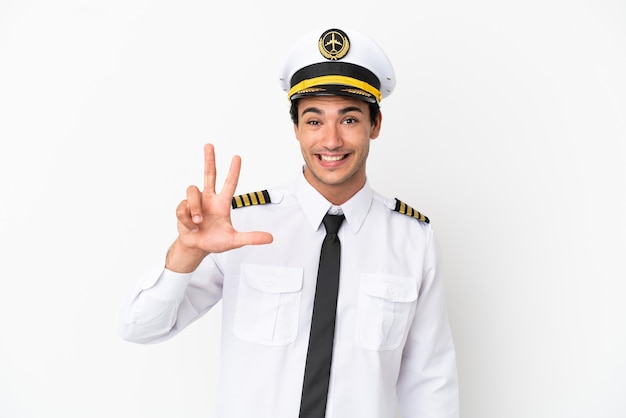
(405,209)
(250,199)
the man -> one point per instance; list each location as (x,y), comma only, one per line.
(388,338)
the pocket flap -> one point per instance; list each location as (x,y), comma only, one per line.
(390,287)
(272,279)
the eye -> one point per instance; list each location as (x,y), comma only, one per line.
(313,122)
(350,120)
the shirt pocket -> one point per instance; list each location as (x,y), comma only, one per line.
(386,304)
(268,304)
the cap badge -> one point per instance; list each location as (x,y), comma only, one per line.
(334,44)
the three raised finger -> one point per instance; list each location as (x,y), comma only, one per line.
(209,169)
(232,178)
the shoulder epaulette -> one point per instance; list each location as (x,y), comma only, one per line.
(405,209)
(249,199)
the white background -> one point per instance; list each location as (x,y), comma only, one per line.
(507,128)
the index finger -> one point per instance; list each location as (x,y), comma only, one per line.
(209,169)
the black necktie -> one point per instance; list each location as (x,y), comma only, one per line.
(319,356)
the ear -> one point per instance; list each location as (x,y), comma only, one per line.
(376,126)
(296,131)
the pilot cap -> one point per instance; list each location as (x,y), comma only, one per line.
(343,62)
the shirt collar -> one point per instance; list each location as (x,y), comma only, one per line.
(315,206)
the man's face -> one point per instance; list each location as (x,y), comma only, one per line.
(334,134)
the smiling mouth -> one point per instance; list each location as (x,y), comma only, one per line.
(331,158)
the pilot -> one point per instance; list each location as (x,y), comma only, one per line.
(331,297)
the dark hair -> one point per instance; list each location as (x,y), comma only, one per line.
(293,111)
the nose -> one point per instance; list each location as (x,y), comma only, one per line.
(332,138)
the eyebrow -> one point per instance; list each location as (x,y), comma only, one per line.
(343,111)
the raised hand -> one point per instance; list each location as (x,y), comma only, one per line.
(204,224)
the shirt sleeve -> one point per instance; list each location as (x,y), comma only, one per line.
(165,302)
(428,383)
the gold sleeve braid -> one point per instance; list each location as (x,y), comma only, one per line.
(405,209)
(250,199)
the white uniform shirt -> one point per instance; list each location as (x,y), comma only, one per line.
(392,335)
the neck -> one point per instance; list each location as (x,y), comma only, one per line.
(337,194)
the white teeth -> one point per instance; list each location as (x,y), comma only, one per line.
(331,158)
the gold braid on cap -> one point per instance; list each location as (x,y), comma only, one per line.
(358,92)
(335,79)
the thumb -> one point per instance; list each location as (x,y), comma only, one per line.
(252,238)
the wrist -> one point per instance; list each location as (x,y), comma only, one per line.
(181,259)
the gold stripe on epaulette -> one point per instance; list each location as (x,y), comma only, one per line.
(250,199)
(405,209)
